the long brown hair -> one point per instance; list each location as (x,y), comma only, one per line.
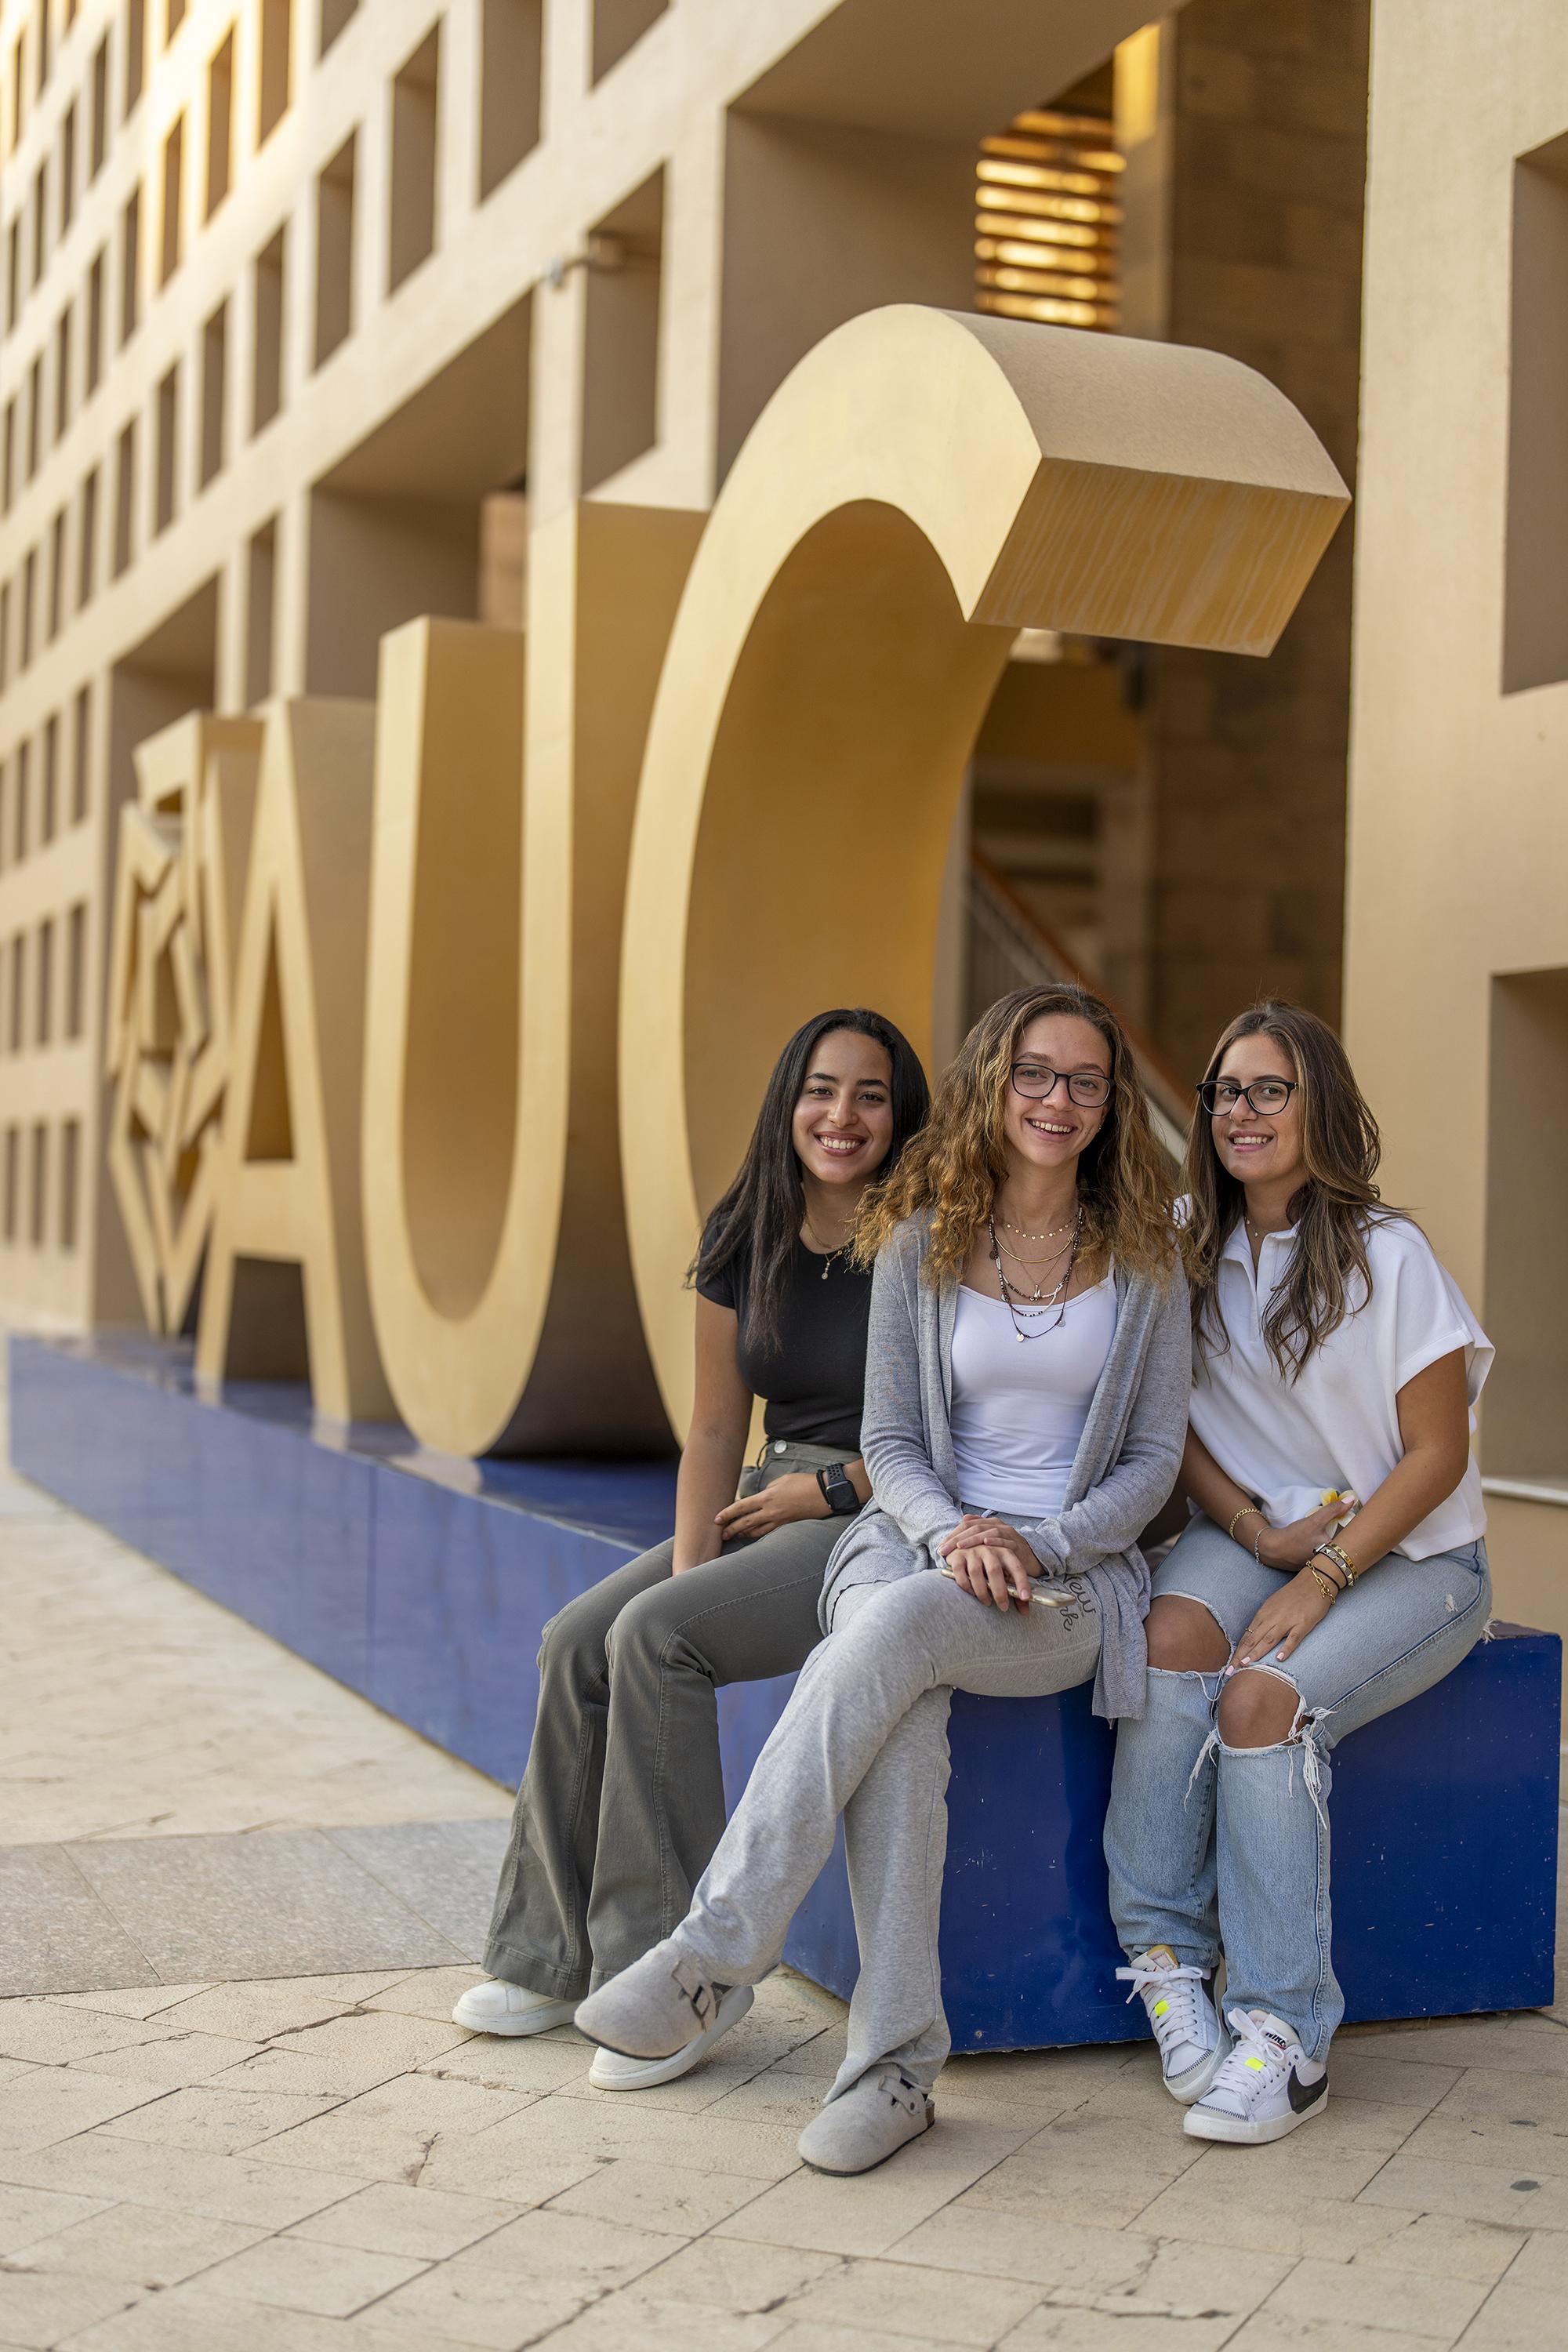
(953,1167)
(1336,1202)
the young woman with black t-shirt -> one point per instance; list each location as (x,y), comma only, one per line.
(623,1799)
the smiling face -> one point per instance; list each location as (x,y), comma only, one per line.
(843,1123)
(1050,1133)
(1259,1147)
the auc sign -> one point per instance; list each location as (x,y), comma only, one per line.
(435,1022)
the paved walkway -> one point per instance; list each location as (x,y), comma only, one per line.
(235,2117)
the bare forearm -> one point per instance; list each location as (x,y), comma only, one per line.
(710,1474)
(1413,1488)
(1216,1495)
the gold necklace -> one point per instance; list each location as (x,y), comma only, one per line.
(1049,1235)
(827,1256)
(1052,1257)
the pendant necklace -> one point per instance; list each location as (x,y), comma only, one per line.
(827,1256)
(1033,1311)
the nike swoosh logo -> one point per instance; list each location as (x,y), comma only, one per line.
(1306,2095)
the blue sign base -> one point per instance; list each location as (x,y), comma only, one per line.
(423,1581)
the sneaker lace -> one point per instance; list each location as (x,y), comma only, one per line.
(1183,2018)
(1255,2063)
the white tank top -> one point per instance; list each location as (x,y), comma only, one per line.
(1018,1412)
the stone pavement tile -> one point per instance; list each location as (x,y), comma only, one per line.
(1357,2294)
(57,1935)
(1274,2331)
(51,2033)
(299,2275)
(390,2133)
(904,2300)
(737,2276)
(254,2012)
(788,2101)
(137,2244)
(1102,2171)
(191,2318)
(1478,2192)
(29,2213)
(276,1903)
(10,2068)
(466,2303)
(575,2250)
(386,2217)
(225,2188)
(486,2166)
(1517,2143)
(221,2122)
(1219,2208)
(986,2243)
(527,2062)
(1483,2094)
(427,1992)
(1446,2247)
(53,2103)
(1358,2073)
(1511,2045)
(1517,2319)
(445,1871)
(1065,2327)
(657,2197)
(171,2062)
(349,1986)
(618,2125)
(632,2322)
(139,2002)
(1200,2291)
(38,2309)
(375,2041)
(1542,2262)
(870,2214)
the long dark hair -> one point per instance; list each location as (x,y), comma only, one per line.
(759,1218)
(960,1159)
(1332,1209)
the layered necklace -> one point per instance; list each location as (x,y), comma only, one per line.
(1033,1306)
(827,1256)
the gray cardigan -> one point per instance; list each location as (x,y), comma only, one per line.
(1125,1468)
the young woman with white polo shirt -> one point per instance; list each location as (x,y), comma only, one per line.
(1334,1566)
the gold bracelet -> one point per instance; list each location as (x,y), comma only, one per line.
(1324,1583)
(1240,1515)
(1332,1551)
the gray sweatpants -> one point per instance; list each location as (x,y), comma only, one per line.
(623,1799)
(865,1735)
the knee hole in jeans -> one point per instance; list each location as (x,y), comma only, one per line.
(1184,1636)
(1260,1707)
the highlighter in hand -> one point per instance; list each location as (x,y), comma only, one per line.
(1046,1600)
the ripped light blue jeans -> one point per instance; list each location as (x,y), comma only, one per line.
(1211,1846)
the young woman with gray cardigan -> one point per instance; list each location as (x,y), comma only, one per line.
(1027,1375)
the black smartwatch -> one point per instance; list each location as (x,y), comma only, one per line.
(837,1492)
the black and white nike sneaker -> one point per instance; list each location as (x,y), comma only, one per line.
(1266,2086)
(1192,2041)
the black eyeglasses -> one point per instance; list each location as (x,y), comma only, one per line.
(1037,1081)
(1262,1097)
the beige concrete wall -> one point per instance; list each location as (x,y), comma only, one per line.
(1244,194)
(1458,914)
(637,216)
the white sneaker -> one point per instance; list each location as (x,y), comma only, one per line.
(611,2072)
(1182,2018)
(494,2007)
(1265,2088)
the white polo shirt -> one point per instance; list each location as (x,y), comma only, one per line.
(1338,1425)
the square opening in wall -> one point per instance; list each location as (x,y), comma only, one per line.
(621,350)
(511,72)
(334,252)
(1536,558)
(415,146)
(1525,1408)
(616,25)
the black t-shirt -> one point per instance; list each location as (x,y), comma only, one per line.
(813,1377)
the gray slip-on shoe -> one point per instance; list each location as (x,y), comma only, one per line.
(610,2073)
(659,2006)
(868,2124)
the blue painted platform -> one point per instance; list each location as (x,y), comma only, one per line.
(423,1581)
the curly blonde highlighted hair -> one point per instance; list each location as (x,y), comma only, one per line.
(951,1168)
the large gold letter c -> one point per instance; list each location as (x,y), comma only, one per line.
(920,487)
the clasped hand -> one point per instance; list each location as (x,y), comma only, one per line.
(796,1495)
(990,1560)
